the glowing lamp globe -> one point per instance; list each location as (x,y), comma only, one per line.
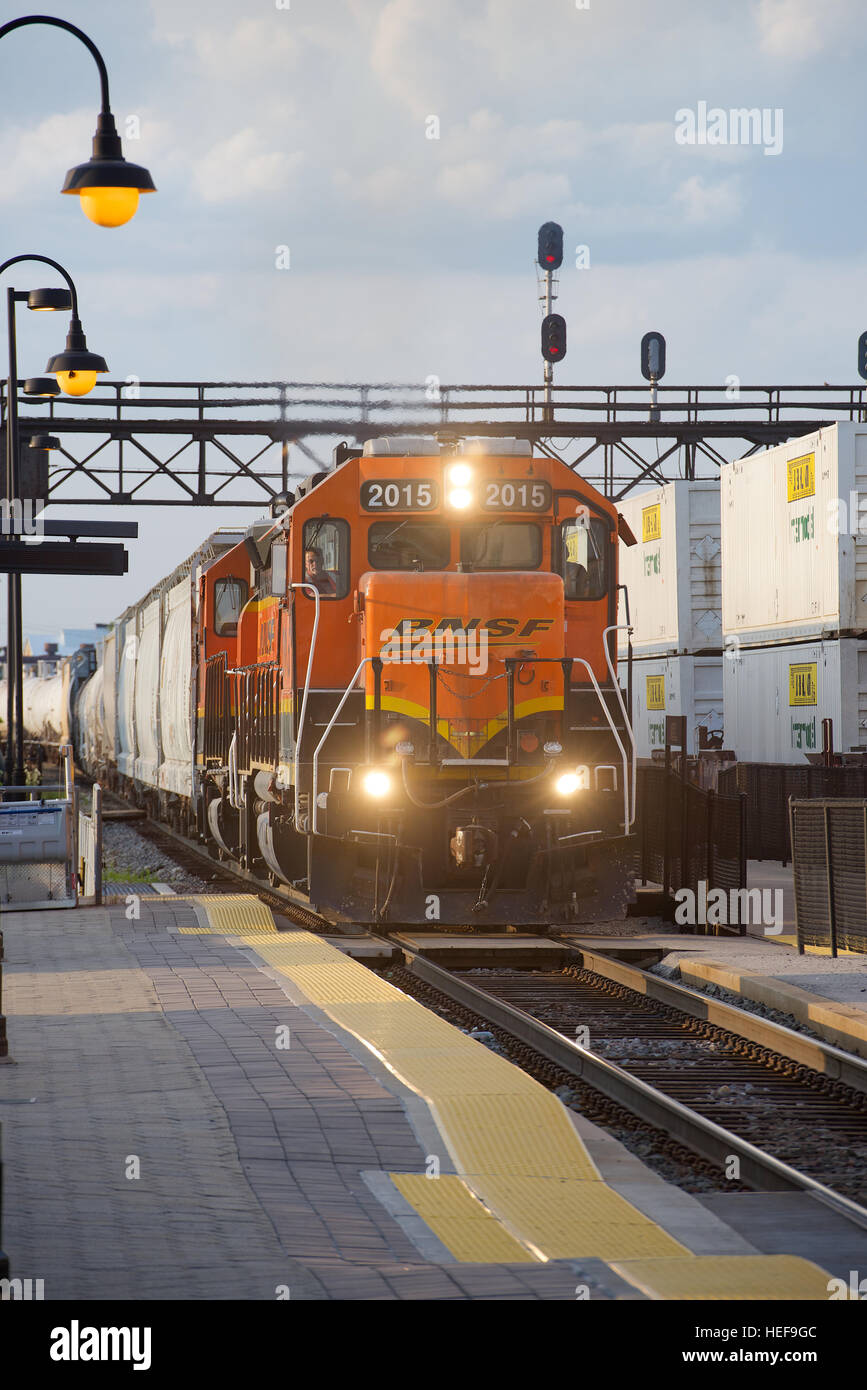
(109,207)
(107,184)
(75,383)
(76,368)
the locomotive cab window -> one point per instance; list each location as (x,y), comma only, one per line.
(230,595)
(326,556)
(408,545)
(584,549)
(502,545)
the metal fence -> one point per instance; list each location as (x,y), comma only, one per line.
(768,787)
(829,842)
(688,836)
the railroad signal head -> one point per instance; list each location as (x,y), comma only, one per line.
(653,357)
(550,254)
(554,338)
(862,356)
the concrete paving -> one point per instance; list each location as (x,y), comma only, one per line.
(158,1143)
(793,1223)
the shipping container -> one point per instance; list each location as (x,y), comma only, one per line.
(690,685)
(775,698)
(672,574)
(794,544)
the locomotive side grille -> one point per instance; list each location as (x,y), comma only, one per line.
(217,715)
(257,701)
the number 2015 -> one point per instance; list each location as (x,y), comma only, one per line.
(525,497)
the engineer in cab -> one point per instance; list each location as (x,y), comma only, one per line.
(315,572)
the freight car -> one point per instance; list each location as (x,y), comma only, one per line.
(397,696)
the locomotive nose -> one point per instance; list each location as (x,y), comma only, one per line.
(445,642)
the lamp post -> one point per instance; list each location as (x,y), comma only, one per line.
(107,184)
(76,370)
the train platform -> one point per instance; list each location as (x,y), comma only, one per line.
(202,1106)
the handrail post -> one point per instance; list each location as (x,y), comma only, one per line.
(373,725)
(96,817)
(313,819)
(627,822)
(623,627)
(432,754)
(311,588)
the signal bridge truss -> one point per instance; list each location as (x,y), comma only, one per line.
(231,444)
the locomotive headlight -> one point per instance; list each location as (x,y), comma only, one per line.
(568,784)
(460,498)
(459,477)
(376,784)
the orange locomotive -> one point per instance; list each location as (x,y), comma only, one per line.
(408,710)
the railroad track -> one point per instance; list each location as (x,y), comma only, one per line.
(693,1084)
(647,1067)
(193,857)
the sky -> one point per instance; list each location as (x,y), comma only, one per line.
(307,124)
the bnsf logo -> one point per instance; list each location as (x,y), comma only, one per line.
(496,627)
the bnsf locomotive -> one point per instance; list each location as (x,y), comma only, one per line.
(396,696)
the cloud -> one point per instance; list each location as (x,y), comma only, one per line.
(702,202)
(800,30)
(35,158)
(240,168)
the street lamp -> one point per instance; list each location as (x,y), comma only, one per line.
(107,184)
(76,371)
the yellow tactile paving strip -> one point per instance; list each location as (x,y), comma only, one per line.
(781,1277)
(464,1225)
(500,1126)
(812,950)
(230,913)
(526,1182)
(522,1131)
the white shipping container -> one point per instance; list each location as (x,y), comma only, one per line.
(690,685)
(775,699)
(673,573)
(794,565)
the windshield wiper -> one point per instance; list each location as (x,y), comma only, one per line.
(378,545)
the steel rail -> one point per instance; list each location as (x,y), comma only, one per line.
(758,1169)
(830,1061)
